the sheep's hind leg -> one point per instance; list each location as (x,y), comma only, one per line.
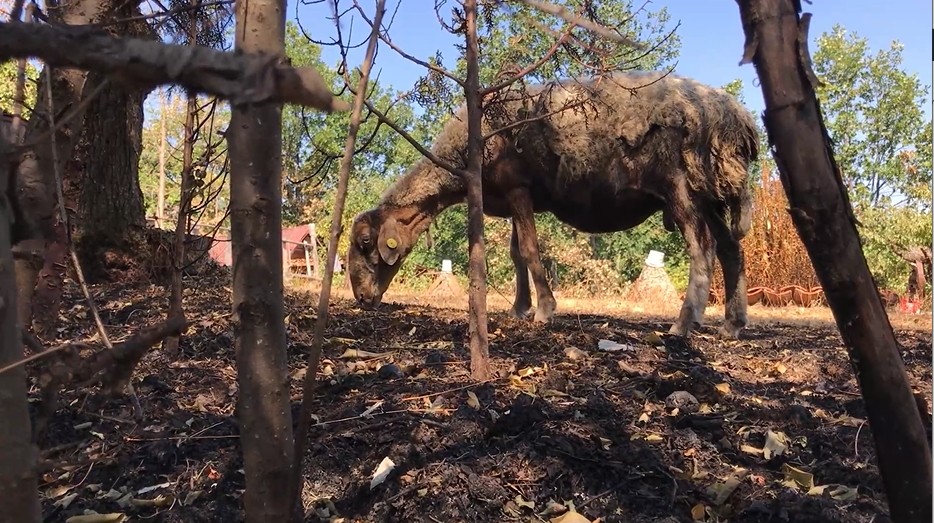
(524,232)
(523,302)
(701,246)
(733,262)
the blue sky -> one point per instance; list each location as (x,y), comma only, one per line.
(711,36)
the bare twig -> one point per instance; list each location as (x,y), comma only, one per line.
(304,417)
(568,16)
(412,141)
(36,356)
(394,47)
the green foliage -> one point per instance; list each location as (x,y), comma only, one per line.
(518,37)
(209,154)
(872,107)
(882,143)
(873,112)
(8,72)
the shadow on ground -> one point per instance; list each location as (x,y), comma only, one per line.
(649,432)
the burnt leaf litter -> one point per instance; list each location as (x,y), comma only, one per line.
(642,427)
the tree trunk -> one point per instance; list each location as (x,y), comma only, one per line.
(40,258)
(184,205)
(776,42)
(111,200)
(19,486)
(160,202)
(479,340)
(254,147)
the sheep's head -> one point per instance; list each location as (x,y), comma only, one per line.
(378,244)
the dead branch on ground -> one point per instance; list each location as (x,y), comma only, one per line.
(111,367)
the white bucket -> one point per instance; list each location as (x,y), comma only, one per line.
(655,259)
(446,266)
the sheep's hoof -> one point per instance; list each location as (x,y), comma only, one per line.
(730,330)
(544,313)
(520,313)
(683,329)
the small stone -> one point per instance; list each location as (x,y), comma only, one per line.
(390,372)
(436,357)
(683,401)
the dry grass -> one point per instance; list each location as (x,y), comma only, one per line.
(775,255)
(617,307)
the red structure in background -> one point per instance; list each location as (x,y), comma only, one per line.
(299,250)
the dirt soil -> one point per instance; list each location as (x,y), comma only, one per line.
(659,430)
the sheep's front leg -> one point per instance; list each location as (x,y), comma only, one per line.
(524,233)
(523,301)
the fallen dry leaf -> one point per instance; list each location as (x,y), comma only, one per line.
(570,517)
(359,353)
(776,443)
(844,493)
(97,518)
(797,478)
(722,490)
(472,400)
(654,339)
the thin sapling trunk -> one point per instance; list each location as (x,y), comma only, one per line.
(776,42)
(479,339)
(184,205)
(311,370)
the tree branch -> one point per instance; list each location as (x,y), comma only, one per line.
(239,77)
(385,39)
(566,15)
(412,141)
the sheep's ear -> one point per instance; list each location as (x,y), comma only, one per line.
(389,244)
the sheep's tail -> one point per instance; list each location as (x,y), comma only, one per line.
(740,201)
(741,212)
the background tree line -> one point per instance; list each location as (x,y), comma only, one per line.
(872,105)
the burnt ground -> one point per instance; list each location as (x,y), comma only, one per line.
(660,429)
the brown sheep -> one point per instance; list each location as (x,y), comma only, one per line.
(602,156)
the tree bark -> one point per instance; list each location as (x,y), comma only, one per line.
(19,487)
(111,201)
(40,258)
(776,42)
(111,213)
(479,338)
(255,144)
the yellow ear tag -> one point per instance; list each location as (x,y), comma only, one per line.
(391,243)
